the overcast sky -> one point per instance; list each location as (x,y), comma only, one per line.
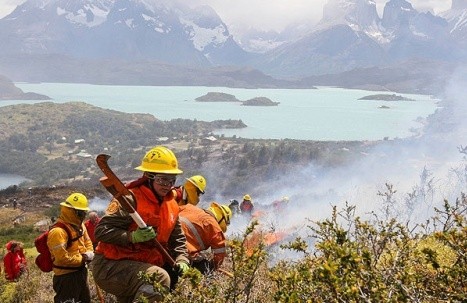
(269,14)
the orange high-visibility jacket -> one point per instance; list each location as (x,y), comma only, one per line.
(202,232)
(163,216)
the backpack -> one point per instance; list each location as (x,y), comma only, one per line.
(44,259)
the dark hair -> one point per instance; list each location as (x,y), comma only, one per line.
(13,245)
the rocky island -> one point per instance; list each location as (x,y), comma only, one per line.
(386,97)
(217,97)
(260,101)
(223,97)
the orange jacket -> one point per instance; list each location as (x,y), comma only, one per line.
(202,232)
(163,216)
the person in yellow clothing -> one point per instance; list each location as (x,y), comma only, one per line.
(190,192)
(204,231)
(70,256)
(124,250)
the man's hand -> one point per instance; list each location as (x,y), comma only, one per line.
(143,234)
(182,267)
(88,256)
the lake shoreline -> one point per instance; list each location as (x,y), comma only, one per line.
(323,114)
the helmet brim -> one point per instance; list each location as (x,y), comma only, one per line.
(66,204)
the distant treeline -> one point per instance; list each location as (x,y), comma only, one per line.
(46,150)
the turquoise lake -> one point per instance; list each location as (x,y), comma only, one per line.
(325,113)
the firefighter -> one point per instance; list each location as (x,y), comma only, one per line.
(246,206)
(204,231)
(14,261)
(280,204)
(124,250)
(91,223)
(70,280)
(234,206)
(190,192)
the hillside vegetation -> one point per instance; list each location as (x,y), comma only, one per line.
(57,143)
(345,258)
(342,258)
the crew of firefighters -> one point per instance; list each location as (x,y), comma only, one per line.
(178,235)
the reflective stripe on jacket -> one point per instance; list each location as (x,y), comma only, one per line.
(71,256)
(162,216)
(202,232)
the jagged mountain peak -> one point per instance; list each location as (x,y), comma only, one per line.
(356,13)
(397,13)
(162,30)
(457,19)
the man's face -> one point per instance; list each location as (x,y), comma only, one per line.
(81,214)
(162,183)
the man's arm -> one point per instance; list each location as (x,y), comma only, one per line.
(177,244)
(113,226)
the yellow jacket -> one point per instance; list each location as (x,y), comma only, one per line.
(70,257)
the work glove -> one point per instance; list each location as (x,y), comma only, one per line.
(143,234)
(182,268)
(88,256)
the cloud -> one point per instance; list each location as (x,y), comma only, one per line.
(267,14)
(7,6)
(276,14)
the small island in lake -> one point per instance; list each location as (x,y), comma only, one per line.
(260,101)
(217,97)
(223,97)
(386,97)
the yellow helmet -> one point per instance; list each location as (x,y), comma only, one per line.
(77,201)
(222,213)
(247,197)
(199,182)
(160,159)
(285,199)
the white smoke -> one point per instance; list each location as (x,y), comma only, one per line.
(99,205)
(421,171)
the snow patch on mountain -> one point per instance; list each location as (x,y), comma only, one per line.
(379,36)
(158,25)
(261,45)
(457,19)
(202,36)
(89,15)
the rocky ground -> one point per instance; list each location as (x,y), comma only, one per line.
(36,199)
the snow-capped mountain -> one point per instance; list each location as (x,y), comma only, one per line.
(123,29)
(352,35)
(457,19)
(358,14)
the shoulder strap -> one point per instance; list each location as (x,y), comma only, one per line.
(68,233)
(68,243)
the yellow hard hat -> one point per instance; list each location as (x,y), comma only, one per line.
(199,182)
(160,159)
(285,199)
(247,197)
(77,201)
(222,213)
